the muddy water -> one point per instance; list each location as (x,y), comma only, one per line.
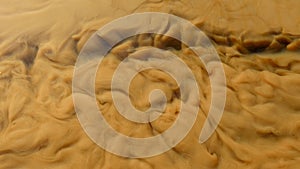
(257,41)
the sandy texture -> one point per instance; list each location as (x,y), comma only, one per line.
(258,42)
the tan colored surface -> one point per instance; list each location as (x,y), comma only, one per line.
(258,42)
